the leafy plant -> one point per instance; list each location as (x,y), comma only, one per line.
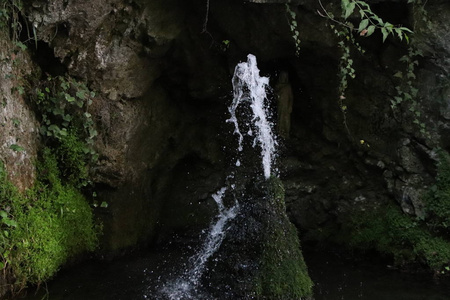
(406,92)
(293,25)
(368,20)
(64,106)
(345,29)
(9,17)
(438,197)
(16,148)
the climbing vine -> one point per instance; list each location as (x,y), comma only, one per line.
(345,28)
(406,91)
(64,106)
(9,17)
(10,11)
(293,25)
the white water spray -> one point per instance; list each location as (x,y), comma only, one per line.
(185,287)
(249,86)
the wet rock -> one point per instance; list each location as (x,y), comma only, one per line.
(19,128)
(269,263)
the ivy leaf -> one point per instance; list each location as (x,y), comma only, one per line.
(370,30)
(348,8)
(69,98)
(16,148)
(406,29)
(363,25)
(385,33)
(81,94)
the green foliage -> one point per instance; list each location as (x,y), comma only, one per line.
(369,21)
(10,11)
(72,159)
(64,107)
(438,197)
(408,240)
(406,92)
(16,148)
(9,17)
(43,228)
(293,25)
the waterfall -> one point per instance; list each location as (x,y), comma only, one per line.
(248,88)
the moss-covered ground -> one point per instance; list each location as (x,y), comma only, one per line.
(44,227)
(407,239)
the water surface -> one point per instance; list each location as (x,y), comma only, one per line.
(142,276)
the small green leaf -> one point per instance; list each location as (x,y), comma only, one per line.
(348,10)
(363,25)
(81,94)
(64,85)
(370,30)
(69,98)
(385,33)
(16,148)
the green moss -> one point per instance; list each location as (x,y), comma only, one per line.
(283,273)
(54,225)
(408,240)
(438,198)
(72,158)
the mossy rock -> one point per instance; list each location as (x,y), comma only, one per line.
(43,228)
(261,256)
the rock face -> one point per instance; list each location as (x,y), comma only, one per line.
(269,263)
(19,130)
(146,128)
(162,73)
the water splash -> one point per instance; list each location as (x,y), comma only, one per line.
(249,86)
(186,286)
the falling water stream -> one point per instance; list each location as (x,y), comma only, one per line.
(249,88)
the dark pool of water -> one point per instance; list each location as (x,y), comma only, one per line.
(342,277)
(142,276)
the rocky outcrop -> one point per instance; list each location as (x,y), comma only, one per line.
(269,263)
(19,130)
